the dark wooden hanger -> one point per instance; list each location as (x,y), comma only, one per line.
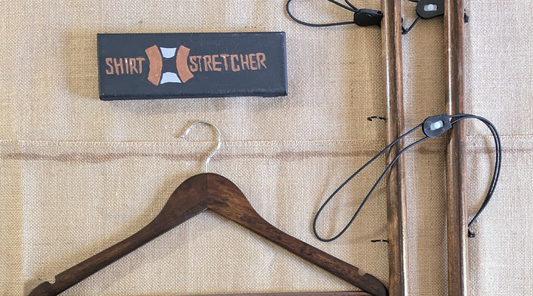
(209,192)
(213,192)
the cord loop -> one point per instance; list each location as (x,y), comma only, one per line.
(362,17)
(433,126)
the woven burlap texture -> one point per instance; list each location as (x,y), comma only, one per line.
(79,174)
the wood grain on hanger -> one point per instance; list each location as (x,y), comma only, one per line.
(340,293)
(195,195)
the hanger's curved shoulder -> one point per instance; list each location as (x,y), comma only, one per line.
(187,201)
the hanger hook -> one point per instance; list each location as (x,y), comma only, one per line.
(219,140)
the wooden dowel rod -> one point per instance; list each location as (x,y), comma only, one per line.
(396,193)
(456,152)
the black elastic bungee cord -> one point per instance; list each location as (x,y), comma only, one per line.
(497,164)
(370,17)
(350,8)
(369,193)
(362,17)
(407,30)
(432,127)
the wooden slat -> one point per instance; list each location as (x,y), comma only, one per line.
(396,194)
(456,156)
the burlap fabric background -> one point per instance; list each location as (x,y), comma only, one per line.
(78,174)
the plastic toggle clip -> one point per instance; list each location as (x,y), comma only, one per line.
(437,125)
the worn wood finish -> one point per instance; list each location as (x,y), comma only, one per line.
(396,192)
(341,293)
(218,194)
(457,216)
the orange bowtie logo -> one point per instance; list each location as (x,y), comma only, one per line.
(155,55)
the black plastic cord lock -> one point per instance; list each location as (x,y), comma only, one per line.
(434,126)
(427,9)
(367,17)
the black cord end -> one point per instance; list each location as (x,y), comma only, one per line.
(471,234)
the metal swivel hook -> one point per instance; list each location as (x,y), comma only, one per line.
(219,140)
